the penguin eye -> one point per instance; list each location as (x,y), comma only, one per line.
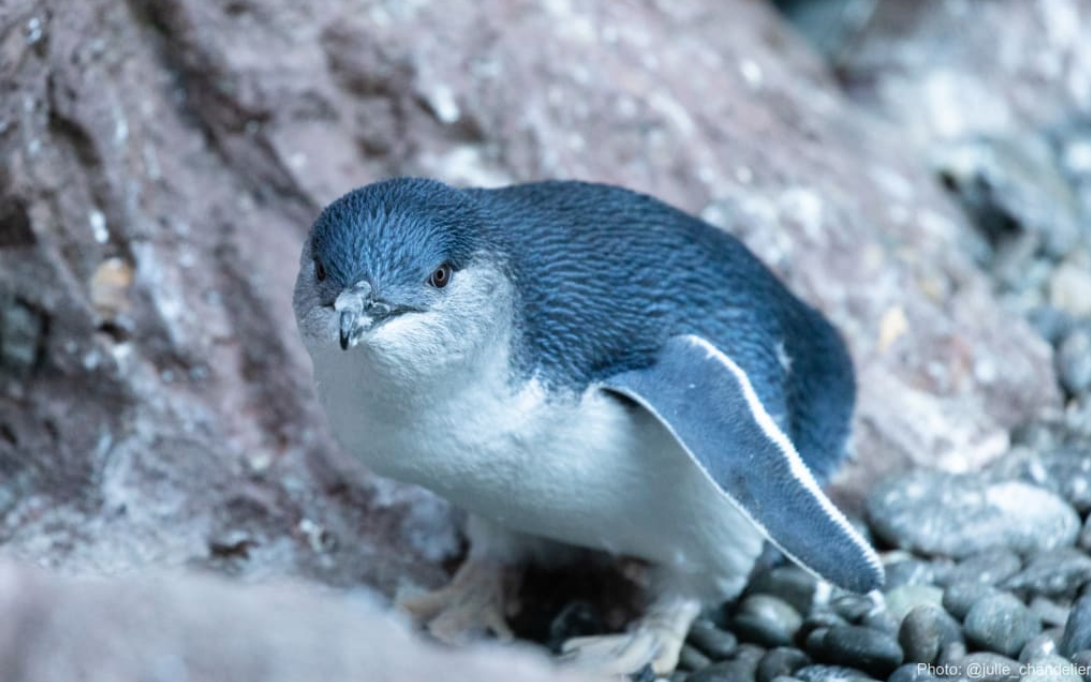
(319,270)
(441,276)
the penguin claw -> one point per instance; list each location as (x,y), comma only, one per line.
(471,605)
(656,641)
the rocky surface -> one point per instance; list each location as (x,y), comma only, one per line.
(162,161)
(157,628)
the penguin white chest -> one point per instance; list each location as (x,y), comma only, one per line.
(588,469)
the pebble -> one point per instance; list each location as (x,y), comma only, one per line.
(901,600)
(959,598)
(1051,669)
(692,659)
(952,654)
(820,619)
(1082,659)
(1001,623)
(911,672)
(1065,471)
(852,607)
(989,567)
(924,633)
(1050,323)
(816,639)
(790,583)
(766,620)
(1058,572)
(726,671)
(1084,541)
(1077,631)
(882,621)
(831,673)
(985,666)
(1068,287)
(576,619)
(909,571)
(869,650)
(1049,612)
(715,643)
(1044,644)
(737,670)
(781,661)
(1073,360)
(958,515)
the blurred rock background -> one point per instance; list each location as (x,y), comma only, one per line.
(920,171)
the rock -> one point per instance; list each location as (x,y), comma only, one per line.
(1084,540)
(952,655)
(852,607)
(781,661)
(924,633)
(1068,289)
(1001,623)
(1049,612)
(815,640)
(1058,572)
(901,600)
(958,598)
(819,620)
(766,620)
(990,567)
(911,672)
(1051,669)
(1051,323)
(156,627)
(22,335)
(831,673)
(881,621)
(869,650)
(577,619)
(1082,660)
(1013,188)
(1040,645)
(1077,631)
(959,515)
(231,128)
(1074,360)
(909,571)
(715,643)
(989,667)
(1065,470)
(692,659)
(790,583)
(741,669)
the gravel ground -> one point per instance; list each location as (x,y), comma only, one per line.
(973,592)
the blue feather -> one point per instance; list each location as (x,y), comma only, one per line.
(605,277)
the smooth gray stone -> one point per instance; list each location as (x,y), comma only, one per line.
(1001,623)
(924,633)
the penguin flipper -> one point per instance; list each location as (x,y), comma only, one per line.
(708,404)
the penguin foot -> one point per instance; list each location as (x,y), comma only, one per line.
(471,605)
(656,640)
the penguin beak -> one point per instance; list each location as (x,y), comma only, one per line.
(358,313)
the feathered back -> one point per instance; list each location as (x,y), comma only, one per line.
(606,275)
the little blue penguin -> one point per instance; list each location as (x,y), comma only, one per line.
(580,365)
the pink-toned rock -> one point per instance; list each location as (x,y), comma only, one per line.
(185,627)
(196,141)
